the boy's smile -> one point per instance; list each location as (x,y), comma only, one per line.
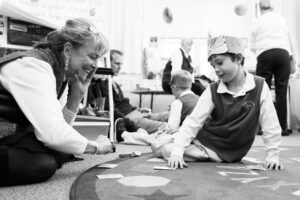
(225,68)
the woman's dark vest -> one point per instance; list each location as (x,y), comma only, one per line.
(13,122)
(234,123)
(189,102)
(186,65)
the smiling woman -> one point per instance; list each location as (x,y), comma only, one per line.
(36,110)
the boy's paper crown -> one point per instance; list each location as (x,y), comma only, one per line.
(225,44)
(182,79)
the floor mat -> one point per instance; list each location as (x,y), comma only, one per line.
(135,178)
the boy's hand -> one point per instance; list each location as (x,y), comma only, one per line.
(145,110)
(176,162)
(273,165)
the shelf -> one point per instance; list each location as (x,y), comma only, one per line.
(91,127)
(82,120)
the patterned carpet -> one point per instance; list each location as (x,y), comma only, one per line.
(135,178)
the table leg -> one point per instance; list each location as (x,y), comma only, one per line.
(140,100)
(151,103)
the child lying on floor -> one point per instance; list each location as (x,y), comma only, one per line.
(225,121)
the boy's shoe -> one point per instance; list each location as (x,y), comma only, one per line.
(119,129)
(286,133)
(259,132)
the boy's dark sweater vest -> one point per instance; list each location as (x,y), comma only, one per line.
(189,102)
(234,123)
(11,115)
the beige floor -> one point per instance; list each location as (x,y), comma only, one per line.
(58,186)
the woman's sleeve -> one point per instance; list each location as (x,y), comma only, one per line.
(32,84)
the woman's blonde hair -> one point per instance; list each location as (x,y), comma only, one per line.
(78,32)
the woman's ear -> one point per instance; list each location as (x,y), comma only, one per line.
(67,50)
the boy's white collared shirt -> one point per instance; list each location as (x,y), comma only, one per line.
(268,119)
(175,114)
(248,85)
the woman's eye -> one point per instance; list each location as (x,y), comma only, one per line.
(94,57)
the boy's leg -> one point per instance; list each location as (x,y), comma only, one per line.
(149,125)
(191,154)
(139,138)
(162,116)
(159,143)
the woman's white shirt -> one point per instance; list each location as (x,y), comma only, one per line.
(33,85)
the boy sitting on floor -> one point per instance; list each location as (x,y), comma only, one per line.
(225,121)
(186,100)
(181,83)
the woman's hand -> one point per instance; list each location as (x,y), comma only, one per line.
(176,162)
(81,83)
(79,87)
(104,145)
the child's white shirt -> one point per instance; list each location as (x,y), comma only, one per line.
(267,118)
(175,114)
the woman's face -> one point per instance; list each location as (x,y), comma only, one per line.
(82,61)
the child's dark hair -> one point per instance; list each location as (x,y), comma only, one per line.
(232,56)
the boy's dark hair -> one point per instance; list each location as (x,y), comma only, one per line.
(232,56)
(114,51)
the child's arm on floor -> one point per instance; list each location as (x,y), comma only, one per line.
(190,128)
(271,129)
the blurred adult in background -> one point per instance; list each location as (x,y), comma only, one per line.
(36,110)
(181,60)
(134,119)
(270,40)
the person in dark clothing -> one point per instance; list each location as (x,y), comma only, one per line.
(134,120)
(36,111)
(181,60)
(272,44)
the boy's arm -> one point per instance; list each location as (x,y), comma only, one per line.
(270,125)
(193,123)
(174,117)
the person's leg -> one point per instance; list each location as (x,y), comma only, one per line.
(149,125)
(139,138)
(161,116)
(158,144)
(19,166)
(191,154)
(264,67)
(281,74)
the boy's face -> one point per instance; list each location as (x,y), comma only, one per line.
(225,68)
